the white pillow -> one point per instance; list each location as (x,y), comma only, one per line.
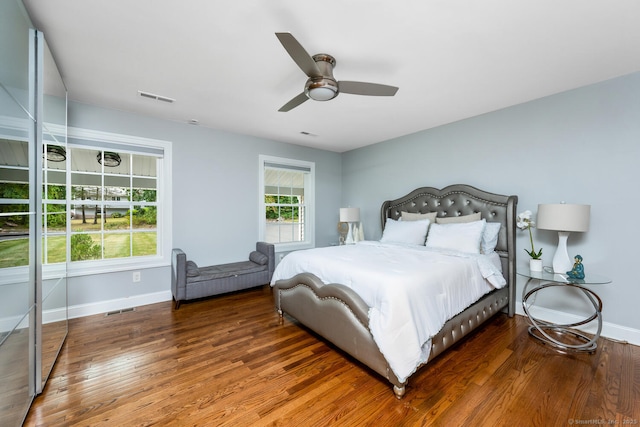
(461,237)
(490,237)
(412,232)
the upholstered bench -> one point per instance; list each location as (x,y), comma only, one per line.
(188,281)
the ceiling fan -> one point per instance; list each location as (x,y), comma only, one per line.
(321,85)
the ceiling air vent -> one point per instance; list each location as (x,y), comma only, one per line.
(156,97)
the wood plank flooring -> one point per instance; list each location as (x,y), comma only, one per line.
(228,361)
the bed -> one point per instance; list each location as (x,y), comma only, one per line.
(361,321)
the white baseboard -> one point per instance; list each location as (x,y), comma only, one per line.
(100,307)
(55,315)
(8,324)
(609,330)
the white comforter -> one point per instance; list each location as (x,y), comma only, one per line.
(412,290)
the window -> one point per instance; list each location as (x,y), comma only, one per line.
(287,203)
(54,203)
(114,207)
(14,201)
(118,197)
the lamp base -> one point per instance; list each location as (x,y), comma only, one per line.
(350,239)
(343,229)
(561,261)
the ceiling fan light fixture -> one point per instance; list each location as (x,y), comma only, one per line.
(110,159)
(321,89)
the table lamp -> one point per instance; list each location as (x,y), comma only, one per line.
(563,218)
(350,216)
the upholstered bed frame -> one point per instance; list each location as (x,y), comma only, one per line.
(339,315)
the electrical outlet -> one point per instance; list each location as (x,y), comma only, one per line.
(136,276)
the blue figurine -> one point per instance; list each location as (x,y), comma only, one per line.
(578,269)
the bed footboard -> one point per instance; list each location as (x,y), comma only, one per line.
(337,314)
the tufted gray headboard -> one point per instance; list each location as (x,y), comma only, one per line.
(460,199)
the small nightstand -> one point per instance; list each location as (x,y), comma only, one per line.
(553,333)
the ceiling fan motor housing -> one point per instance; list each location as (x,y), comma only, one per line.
(324,87)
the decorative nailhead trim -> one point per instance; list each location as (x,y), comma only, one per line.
(319,298)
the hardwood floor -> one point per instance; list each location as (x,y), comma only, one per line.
(229,361)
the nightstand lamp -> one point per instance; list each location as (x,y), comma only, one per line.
(350,216)
(563,218)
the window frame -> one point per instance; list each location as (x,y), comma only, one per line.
(105,141)
(309,201)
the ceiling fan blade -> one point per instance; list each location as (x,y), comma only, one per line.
(299,55)
(297,100)
(362,88)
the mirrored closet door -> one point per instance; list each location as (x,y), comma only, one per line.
(51,294)
(18,265)
(33,213)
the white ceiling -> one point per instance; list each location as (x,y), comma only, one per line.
(222,63)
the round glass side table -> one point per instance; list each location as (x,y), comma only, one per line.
(562,336)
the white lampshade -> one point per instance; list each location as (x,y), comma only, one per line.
(349,214)
(563,218)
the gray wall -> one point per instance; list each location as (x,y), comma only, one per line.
(581,146)
(215,196)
